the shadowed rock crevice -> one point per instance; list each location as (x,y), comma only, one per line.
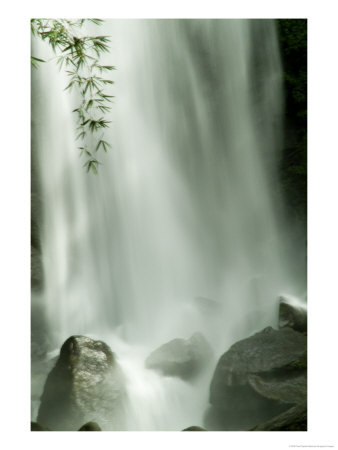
(294,419)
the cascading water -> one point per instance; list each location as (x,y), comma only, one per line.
(185,205)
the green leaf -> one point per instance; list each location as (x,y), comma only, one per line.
(92,165)
(89,104)
(94,169)
(104,144)
(81,135)
(96,21)
(70,85)
(103,108)
(70,47)
(102,68)
(35,61)
(105,96)
(100,38)
(87,86)
(109,67)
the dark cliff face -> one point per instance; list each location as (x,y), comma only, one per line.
(39,338)
(293,46)
(36,196)
(292,36)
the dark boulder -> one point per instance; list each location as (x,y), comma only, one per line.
(294,419)
(86,382)
(257,379)
(90,426)
(184,358)
(194,428)
(292,315)
(37,427)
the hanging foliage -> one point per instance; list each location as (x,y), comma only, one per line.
(80,56)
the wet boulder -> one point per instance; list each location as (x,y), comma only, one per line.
(194,428)
(183,358)
(257,379)
(86,383)
(292,315)
(90,426)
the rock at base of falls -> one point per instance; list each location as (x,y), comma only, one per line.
(291,315)
(37,427)
(86,384)
(258,378)
(90,426)
(294,419)
(194,428)
(183,358)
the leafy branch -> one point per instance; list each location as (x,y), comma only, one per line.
(80,55)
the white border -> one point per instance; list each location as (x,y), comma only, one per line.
(323,226)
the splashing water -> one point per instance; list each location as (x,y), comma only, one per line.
(186,204)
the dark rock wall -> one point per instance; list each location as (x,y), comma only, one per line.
(39,329)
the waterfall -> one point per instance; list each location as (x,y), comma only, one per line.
(186,204)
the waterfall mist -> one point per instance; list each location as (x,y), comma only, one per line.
(186,206)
